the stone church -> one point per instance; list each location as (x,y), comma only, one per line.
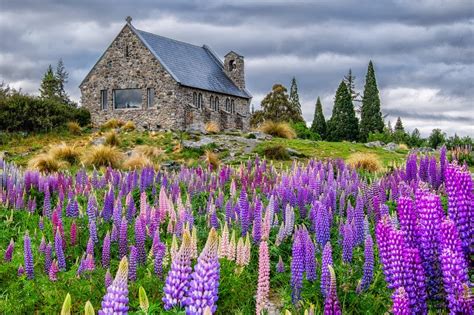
(162,83)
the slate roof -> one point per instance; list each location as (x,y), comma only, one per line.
(191,65)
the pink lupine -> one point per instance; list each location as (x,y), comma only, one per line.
(263,287)
(9,251)
(53,271)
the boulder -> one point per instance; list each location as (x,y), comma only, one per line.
(294,153)
(204,141)
(391,146)
(374,144)
(259,135)
(98,141)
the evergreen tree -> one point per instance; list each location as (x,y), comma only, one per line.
(370,115)
(276,105)
(349,80)
(62,76)
(296,115)
(399,125)
(343,124)
(319,122)
(49,85)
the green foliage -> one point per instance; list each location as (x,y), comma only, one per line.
(257,118)
(303,132)
(343,124)
(319,122)
(349,80)
(436,138)
(276,106)
(399,125)
(371,115)
(295,102)
(384,137)
(415,140)
(276,152)
(49,85)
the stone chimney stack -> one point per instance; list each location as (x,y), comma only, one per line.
(234,68)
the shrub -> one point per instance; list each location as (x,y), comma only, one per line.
(384,137)
(64,152)
(46,163)
(74,127)
(82,116)
(149,151)
(212,159)
(112,139)
(278,129)
(136,161)
(129,126)
(212,127)
(276,152)
(102,155)
(366,161)
(303,132)
(112,124)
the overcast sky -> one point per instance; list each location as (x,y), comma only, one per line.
(423,50)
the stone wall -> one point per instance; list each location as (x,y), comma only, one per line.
(172,107)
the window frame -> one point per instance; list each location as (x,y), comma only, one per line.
(232,106)
(150,97)
(216,103)
(200,101)
(103,99)
(127,108)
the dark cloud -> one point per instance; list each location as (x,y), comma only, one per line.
(423,50)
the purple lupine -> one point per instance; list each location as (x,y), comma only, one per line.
(406,214)
(41,223)
(310,259)
(257,223)
(116,299)
(411,168)
(297,266)
(9,251)
(20,271)
(72,208)
(123,243)
(368,264)
(42,245)
(91,207)
(400,302)
(73,234)
(433,173)
(331,303)
(347,242)
(47,204)
(53,271)
(158,261)
(90,247)
(280,266)
(204,285)
(359,220)
(140,236)
(28,257)
(413,279)
(108,208)
(106,251)
(325,262)
(48,257)
(443,161)
(323,224)
(108,279)
(132,268)
(179,276)
(58,248)
(244,212)
(93,231)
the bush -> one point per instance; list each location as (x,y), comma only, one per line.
(212,127)
(67,153)
(129,126)
(276,152)
(278,129)
(384,137)
(82,116)
(46,163)
(136,161)
(303,132)
(112,139)
(102,155)
(366,161)
(74,127)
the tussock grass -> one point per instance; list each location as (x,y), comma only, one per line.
(46,163)
(212,127)
(129,126)
(67,153)
(278,129)
(136,161)
(102,155)
(149,151)
(212,159)
(74,127)
(365,161)
(112,124)
(276,152)
(402,146)
(112,139)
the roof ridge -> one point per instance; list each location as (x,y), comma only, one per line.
(169,38)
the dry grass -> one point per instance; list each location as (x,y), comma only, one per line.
(136,161)
(149,151)
(212,127)
(112,139)
(46,163)
(112,124)
(276,152)
(74,128)
(67,153)
(402,146)
(278,129)
(212,159)
(129,126)
(102,155)
(366,161)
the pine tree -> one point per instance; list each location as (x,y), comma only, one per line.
(399,125)
(276,105)
(296,115)
(49,85)
(349,80)
(371,115)
(343,124)
(62,76)
(319,122)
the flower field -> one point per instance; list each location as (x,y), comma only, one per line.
(317,238)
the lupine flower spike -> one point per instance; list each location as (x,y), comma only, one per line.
(116,299)
(331,304)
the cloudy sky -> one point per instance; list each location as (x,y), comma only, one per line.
(423,50)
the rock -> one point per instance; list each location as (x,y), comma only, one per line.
(391,146)
(374,144)
(98,141)
(258,135)
(294,153)
(171,166)
(189,144)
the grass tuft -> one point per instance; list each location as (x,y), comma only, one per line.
(67,153)
(365,161)
(149,151)
(278,129)
(46,163)
(102,155)
(276,152)
(112,124)
(212,159)
(136,161)
(74,128)
(112,139)
(129,126)
(212,127)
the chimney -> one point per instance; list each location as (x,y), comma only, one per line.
(234,68)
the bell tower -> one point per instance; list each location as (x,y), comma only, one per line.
(234,68)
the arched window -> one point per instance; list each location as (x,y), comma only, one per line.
(211,102)
(227,104)
(232,106)
(216,107)
(232,65)
(195,99)
(200,102)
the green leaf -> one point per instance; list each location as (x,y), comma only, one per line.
(144,305)
(66,310)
